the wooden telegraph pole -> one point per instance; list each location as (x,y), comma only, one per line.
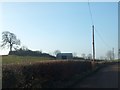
(93,44)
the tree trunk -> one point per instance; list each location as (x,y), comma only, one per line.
(10,47)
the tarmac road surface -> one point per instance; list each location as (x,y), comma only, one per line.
(106,77)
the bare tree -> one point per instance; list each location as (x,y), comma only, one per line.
(109,55)
(83,55)
(89,56)
(9,39)
(102,58)
(24,48)
(57,51)
(74,54)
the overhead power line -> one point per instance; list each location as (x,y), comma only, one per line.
(90,12)
(107,45)
(91,15)
(93,44)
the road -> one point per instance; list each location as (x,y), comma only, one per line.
(106,77)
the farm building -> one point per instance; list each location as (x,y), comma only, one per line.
(64,56)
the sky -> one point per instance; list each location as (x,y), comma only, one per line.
(64,26)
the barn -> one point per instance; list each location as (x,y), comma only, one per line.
(64,56)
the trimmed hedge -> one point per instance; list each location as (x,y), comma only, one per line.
(41,74)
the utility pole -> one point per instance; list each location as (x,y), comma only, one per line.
(93,44)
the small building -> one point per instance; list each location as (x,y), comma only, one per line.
(64,56)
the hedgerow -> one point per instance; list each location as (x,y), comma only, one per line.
(41,74)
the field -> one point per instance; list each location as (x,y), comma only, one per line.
(13,59)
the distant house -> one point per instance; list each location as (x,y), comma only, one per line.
(64,56)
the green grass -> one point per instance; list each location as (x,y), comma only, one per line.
(116,60)
(13,59)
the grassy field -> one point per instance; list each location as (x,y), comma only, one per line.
(10,59)
(13,59)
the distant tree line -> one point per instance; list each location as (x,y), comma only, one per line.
(80,58)
(22,52)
